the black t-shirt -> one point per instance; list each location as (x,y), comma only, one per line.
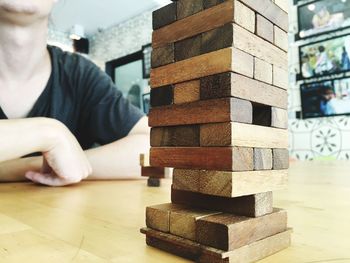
(85,99)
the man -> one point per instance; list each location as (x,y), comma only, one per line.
(41,81)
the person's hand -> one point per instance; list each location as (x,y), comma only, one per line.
(64,162)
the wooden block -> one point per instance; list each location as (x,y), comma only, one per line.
(210,158)
(164,16)
(188,48)
(183,221)
(217,39)
(269,10)
(186,135)
(283,4)
(262,71)
(209,111)
(186,180)
(280,159)
(144,160)
(250,205)
(224,60)
(204,254)
(239,134)
(187,8)
(153,172)
(210,3)
(157,216)
(187,92)
(244,16)
(229,232)
(235,85)
(264,28)
(280,78)
(262,159)
(235,184)
(261,115)
(153,182)
(163,55)
(279,118)
(280,38)
(162,96)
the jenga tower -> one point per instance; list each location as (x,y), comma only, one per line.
(219,98)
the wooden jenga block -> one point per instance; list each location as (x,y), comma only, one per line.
(216,39)
(162,96)
(187,180)
(240,134)
(244,16)
(262,71)
(187,8)
(224,60)
(210,3)
(280,77)
(144,160)
(183,221)
(185,135)
(262,159)
(280,159)
(235,85)
(279,118)
(264,28)
(188,48)
(229,232)
(153,182)
(209,111)
(163,55)
(250,205)
(157,216)
(164,16)
(154,172)
(233,184)
(187,92)
(283,4)
(211,158)
(280,38)
(261,115)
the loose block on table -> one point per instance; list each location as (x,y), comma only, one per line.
(154,172)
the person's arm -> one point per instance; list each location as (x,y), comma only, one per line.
(15,170)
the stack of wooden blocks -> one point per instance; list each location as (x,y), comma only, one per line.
(219,98)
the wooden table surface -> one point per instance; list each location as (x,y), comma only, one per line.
(100,221)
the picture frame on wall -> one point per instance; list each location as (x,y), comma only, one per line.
(146,60)
(322,16)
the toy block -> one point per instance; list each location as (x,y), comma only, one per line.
(210,158)
(162,96)
(185,135)
(264,28)
(210,3)
(187,92)
(187,8)
(249,205)
(208,111)
(262,71)
(281,38)
(229,232)
(244,16)
(153,172)
(280,77)
(144,160)
(262,159)
(164,16)
(241,134)
(216,39)
(231,184)
(235,85)
(188,48)
(280,159)
(279,118)
(163,55)
(283,4)
(153,182)
(157,216)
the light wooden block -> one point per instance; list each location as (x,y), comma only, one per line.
(280,159)
(262,71)
(280,77)
(229,232)
(240,134)
(185,135)
(158,216)
(280,38)
(264,28)
(244,16)
(163,55)
(283,4)
(279,118)
(144,160)
(234,184)
(262,159)
(186,180)
(187,92)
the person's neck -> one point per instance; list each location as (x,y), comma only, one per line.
(23,50)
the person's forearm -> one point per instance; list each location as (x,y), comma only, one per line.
(120,159)
(14,170)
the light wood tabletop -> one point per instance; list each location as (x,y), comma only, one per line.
(100,221)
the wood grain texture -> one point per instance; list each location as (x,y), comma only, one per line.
(224,60)
(280,77)
(279,118)
(163,55)
(153,182)
(264,28)
(164,16)
(262,159)
(211,3)
(244,16)
(188,48)
(144,160)
(209,111)
(187,8)
(210,158)
(240,134)
(188,91)
(280,38)
(157,216)
(154,172)
(235,85)
(217,38)
(185,135)
(229,232)
(280,159)
(250,205)
(162,96)
(234,184)
(262,71)
(186,180)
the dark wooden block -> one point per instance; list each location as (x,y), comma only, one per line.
(163,55)
(153,182)
(208,111)
(153,172)
(211,3)
(162,96)
(229,232)
(188,48)
(216,39)
(262,159)
(186,135)
(164,16)
(261,115)
(250,205)
(280,159)
(187,8)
